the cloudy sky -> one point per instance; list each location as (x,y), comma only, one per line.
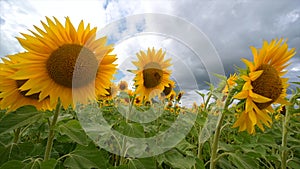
(201,36)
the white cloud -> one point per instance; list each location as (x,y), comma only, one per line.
(90,11)
(19,16)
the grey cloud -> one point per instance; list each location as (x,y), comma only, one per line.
(234,26)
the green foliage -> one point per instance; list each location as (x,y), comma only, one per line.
(74,131)
(21,117)
(85,157)
(23,137)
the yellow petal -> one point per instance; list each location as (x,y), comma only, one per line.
(258,98)
(247,86)
(249,105)
(240,122)
(254,75)
(242,95)
(249,64)
(245,78)
(282,101)
(252,116)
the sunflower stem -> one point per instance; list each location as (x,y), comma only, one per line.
(122,156)
(130,109)
(17,135)
(215,144)
(284,140)
(199,152)
(285,125)
(51,132)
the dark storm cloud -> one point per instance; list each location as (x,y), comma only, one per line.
(233,26)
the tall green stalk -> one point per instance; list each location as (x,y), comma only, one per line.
(17,135)
(206,101)
(285,125)
(122,159)
(51,132)
(215,144)
(284,139)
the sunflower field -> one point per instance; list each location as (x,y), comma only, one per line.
(61,108)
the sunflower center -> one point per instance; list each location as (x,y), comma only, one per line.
(137,100)
(33,96)
(269,84)
(167,90)
(152,74)
(72,65)
(123,86)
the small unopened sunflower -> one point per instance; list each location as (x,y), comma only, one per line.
(11,96)
(231,82)
(263,84)
(65,63)
(152,75)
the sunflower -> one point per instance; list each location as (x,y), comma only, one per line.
(194,108)
(168,91)
(231,82)
(130,93)
(280,111)
(111,93)
(11,97)
(152,75)
(65,63)
(179,96)
(123,85)
(263,84)
(137,101)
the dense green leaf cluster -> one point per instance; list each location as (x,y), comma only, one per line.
(23,137)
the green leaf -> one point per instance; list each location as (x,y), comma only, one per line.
(74,130)
(220,76)
(177,160)
(142,163)
(185,147)
(208,128)
(12,164)
(19,118)
(49,164)
(201,94)
(34,164)
(199,164)
(86,157)
(243,161)
(211,86)
(6,139)
(294,163)
(16,151)
(131,129)
(227,147)
(266,139)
